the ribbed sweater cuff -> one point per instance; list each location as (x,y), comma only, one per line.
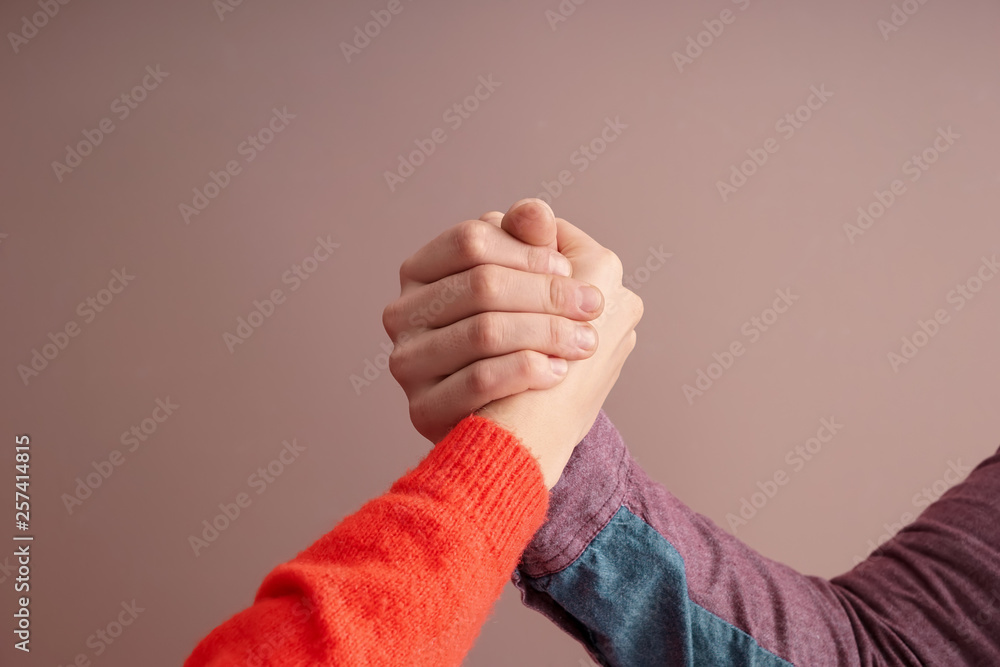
(484,472)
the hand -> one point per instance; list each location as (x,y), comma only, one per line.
(480,313)
(552,421)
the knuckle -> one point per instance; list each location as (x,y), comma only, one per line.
(481,379)
(613,262)
(562,334)
(529,364)
(418,415)
(472,240)
(631,341)
(559,335)
(398,363)
(522,367)
(486,283)
(558,294)
(390,315)
(538,259)
(487,332)
(637,307)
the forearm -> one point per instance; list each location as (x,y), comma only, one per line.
(936,584)
(409,578)
(639,578)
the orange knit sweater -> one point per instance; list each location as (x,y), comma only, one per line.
(409,578)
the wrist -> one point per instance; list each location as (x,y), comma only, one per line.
(551,457)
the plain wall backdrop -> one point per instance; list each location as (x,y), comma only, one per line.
(705,166)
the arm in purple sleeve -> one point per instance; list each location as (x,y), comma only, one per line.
(640,579)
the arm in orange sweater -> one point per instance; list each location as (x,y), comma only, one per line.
(409,578)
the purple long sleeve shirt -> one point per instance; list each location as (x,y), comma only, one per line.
(640,579)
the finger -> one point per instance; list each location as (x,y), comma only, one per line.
(491,287)
(444,351)
(475,242)
(531,221)
(492,217)
(587,255)
(571,238)
(464,392)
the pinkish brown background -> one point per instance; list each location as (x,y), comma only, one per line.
(655,186)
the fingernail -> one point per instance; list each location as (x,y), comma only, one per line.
(559,265)
(586,338)
(559,366)
(588,298)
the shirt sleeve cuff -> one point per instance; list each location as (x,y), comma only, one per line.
(592,488)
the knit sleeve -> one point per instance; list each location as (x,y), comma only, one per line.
(408,579)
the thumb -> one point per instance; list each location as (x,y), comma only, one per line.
(573,242)
(531,221)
